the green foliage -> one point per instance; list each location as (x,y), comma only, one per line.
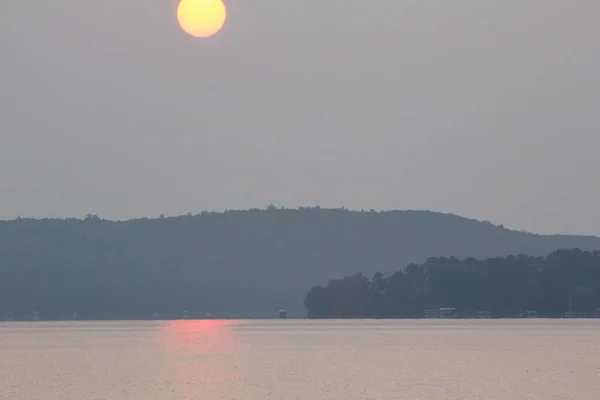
(237,262)
(566,280)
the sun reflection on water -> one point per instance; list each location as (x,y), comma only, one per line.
(200,357)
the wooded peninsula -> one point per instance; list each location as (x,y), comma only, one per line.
(564,283)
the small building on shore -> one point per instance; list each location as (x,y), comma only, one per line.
(448,312)
(443,312)
(530,314)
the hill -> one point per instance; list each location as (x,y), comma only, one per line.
(237,262)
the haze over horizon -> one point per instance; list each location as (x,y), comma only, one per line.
(484,110)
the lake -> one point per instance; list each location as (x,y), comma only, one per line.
(300,359)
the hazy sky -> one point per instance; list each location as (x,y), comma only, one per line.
(487,109)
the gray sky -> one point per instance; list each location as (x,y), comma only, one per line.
(487,109)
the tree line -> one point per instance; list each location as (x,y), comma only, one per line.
(238,263)
(564,281)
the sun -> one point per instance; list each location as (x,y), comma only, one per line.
(201,18)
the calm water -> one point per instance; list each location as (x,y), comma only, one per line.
(346,360)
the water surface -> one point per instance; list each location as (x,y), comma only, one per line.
(297,359)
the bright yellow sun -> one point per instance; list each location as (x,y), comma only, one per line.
(201,18)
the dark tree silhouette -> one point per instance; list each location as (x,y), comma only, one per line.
(565,281)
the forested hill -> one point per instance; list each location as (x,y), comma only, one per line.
(237,262)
